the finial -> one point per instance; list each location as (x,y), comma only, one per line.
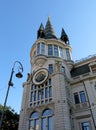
(49,17)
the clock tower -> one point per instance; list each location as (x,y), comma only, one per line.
(46,92)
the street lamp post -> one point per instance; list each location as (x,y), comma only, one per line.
(18,75)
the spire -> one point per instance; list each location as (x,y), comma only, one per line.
(40,33)
(49,31)
(64,37)
(41,27)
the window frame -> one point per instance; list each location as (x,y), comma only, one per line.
(50,68)
(41,94)
(76,100)
(61,55)
(46,117)
(56,51)
(38,49)
(95,86)
(50,50)
(43,122)
(82,96)
(62,69)
(68,56)
(34,120)
(41,47)
(87,126)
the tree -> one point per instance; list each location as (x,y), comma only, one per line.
(11,119)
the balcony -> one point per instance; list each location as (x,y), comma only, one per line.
(81,106)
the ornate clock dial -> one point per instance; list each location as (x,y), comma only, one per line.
(40,76)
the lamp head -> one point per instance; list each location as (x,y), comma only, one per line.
(19,75)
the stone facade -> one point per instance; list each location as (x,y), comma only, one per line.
(59,94)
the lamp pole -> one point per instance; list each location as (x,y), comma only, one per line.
(18,75)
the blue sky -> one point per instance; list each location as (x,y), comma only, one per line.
(19,22)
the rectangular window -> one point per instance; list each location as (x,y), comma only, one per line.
(46,92)
(50,68)
(82,96)
(95,86)
(35,95)
(42,93)
(49,82)
(50,91)
(38,48)
(68,54)
(50,123)
(44,124)
(63,69)
(55,50)
(37,124)
(76,98)
(33,87)
(31,124)
(85,126)
(60,52)
(50,50)
(43,48)
(32,97)
(39,94)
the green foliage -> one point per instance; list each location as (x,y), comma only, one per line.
(11,119)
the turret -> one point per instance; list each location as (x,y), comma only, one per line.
(64,37)
(40,33)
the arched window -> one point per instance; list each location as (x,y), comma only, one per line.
(47,120)
(34,121)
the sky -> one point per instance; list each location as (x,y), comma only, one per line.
(19,22)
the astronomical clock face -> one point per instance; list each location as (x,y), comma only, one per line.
(40,76)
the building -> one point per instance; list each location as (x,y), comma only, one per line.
(59,94)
